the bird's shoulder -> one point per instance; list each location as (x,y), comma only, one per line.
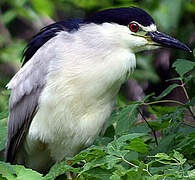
(46,34)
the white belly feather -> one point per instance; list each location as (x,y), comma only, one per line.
(76,102)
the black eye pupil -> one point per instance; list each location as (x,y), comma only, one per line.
(134,27)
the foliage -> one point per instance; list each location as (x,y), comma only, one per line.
(128,149)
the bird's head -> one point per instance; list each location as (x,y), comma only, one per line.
(136,29)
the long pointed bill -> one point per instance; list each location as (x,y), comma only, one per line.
(167,41)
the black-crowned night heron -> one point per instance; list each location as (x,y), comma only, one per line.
(72,71)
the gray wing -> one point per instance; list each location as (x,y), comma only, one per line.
(26,87)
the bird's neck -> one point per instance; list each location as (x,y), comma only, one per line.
(92,68)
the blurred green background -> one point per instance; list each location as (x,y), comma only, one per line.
(21,19)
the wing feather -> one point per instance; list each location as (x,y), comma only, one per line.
(27,85)
(23,104)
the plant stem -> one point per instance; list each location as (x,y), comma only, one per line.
(188,125)
(146,170)
(153,131)
(163,101)
(129,162)
(188,99)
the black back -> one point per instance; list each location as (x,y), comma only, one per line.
(122,16)
(46,34)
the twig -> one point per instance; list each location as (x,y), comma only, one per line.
(153,131)
(188,125)
(146,170)
(191,112)
(188,99)
(163,101)
(129,162)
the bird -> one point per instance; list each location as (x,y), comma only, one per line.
(63,95)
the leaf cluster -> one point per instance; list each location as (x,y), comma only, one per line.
(128,149)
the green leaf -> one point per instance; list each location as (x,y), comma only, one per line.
(191,173)
(165,144)
(110,131)
(135,175)
(125,118)
(159,169)
(131,155)
(130,136)
(111,161)
(167,91)
(179,157)
(183,66)
(120,171)
(138,145)
(163,156)
(7,171)
(59,169)
(159,111)
(90,153)
(24,173)
(103,174)
(174,79)
(115,177)
(188,79)
(12,172)
(139,128)
(114,148)
(108,162)
(192,102)
(146,98)
(93,164)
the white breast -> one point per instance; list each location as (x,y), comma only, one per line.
(79,94)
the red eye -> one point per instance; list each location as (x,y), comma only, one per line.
(133,27)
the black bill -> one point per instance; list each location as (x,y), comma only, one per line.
(167,41)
